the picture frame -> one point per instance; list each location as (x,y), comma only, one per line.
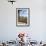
(22,16)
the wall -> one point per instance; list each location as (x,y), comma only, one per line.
(37,28)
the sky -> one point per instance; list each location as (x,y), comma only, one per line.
(24,12)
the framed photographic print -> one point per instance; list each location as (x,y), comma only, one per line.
(22,16)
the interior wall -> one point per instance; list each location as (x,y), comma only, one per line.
(37,28)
